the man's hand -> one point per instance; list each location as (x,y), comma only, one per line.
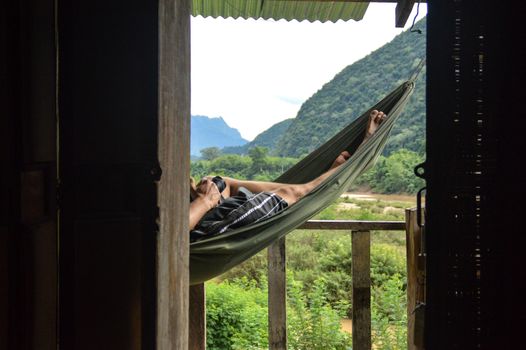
(207,197)
(208,192)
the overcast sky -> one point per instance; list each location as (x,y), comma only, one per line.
(257,73)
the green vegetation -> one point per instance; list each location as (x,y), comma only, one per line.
(389,316)
(256,166)
(392,174)
(319,287)
(237,317)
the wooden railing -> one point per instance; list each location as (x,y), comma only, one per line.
(361,283)
(361,279)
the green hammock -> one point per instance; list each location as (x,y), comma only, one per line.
(215,255)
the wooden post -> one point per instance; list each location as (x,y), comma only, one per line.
(402,12)
(277,293)
(415,282)
(361,290)
(197,335)
(174,156)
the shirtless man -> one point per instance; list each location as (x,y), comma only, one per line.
(243,202)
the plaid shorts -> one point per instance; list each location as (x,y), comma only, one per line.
(237,211)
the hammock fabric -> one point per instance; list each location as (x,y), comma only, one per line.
(215,255)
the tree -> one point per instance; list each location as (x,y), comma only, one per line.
(210,153)
(394,174)
(232,165)
(259,159)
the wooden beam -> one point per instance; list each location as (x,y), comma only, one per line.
(361,290)
(277,296)
(174,156)
(197,315)
(415,282)
(402,12)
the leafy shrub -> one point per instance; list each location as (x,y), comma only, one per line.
(236,316)
(386,262)
(389,315)
(394,174)
(253,269)
(318,326)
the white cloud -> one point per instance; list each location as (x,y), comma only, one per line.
(257,73)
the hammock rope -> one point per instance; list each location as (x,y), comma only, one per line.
(215,255)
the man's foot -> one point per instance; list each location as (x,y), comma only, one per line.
(342,158)
(375,119)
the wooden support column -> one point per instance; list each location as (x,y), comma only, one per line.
(403,10)
(277,295)
(197,335)
(361,293)
(415,282)
(174,156)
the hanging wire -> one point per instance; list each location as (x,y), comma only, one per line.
(411,30)
(415,74)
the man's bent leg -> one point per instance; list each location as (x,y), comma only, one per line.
(293,193)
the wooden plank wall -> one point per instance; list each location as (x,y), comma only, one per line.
(8,185)
(174,155)
(27,181)
(108,161)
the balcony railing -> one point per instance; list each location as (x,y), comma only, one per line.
(361,284)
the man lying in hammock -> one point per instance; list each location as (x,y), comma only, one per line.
(244,202)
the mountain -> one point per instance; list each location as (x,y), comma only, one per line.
(355,89)
(267,138)
(212,132)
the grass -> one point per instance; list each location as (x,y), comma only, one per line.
(371,207)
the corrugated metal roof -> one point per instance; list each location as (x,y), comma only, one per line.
(322,11)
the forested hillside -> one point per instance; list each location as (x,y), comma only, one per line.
(357,88)
(267,138)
